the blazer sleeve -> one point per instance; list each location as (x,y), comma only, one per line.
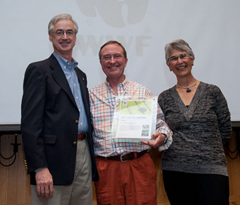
(33,104)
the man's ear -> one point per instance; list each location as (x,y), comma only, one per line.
(50,37)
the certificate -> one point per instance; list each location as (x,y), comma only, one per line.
(135,118)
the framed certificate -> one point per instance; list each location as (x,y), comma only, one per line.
(134,118)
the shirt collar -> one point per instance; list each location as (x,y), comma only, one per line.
(124,83)
(65,63)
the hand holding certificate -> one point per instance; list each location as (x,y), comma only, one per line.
(158,138)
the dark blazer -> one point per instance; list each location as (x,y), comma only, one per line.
(49,123)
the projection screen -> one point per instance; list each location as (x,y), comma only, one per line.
(144,27)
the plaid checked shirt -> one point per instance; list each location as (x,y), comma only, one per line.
(103,101)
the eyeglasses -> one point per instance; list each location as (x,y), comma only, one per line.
(181,56)
(60,33)
(109,57)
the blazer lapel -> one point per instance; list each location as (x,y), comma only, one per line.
(60,78)
(83,85)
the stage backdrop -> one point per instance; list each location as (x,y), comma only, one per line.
(144,27)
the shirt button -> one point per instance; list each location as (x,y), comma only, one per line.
(74,143)
(76,121)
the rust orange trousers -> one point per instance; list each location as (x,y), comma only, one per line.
(126,183)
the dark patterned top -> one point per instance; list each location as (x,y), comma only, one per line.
(199,131)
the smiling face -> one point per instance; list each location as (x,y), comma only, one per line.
(113,62)
(180,63)
(63,44)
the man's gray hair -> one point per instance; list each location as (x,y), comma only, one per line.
(58,17)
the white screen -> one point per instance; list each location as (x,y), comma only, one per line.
(144,27)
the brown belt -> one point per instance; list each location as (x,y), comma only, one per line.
(82,136)
(126,157)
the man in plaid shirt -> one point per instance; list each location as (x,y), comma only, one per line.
(127,174)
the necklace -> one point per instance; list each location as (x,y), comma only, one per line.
(188,90)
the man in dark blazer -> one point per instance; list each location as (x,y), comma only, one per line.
(56,125)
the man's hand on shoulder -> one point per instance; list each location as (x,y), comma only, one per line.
(44,183)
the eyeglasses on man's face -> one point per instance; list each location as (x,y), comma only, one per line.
(109,57)
(61,32)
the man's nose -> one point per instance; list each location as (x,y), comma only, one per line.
(112,60)
(65,36)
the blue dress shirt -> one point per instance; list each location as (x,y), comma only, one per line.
(70,73)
